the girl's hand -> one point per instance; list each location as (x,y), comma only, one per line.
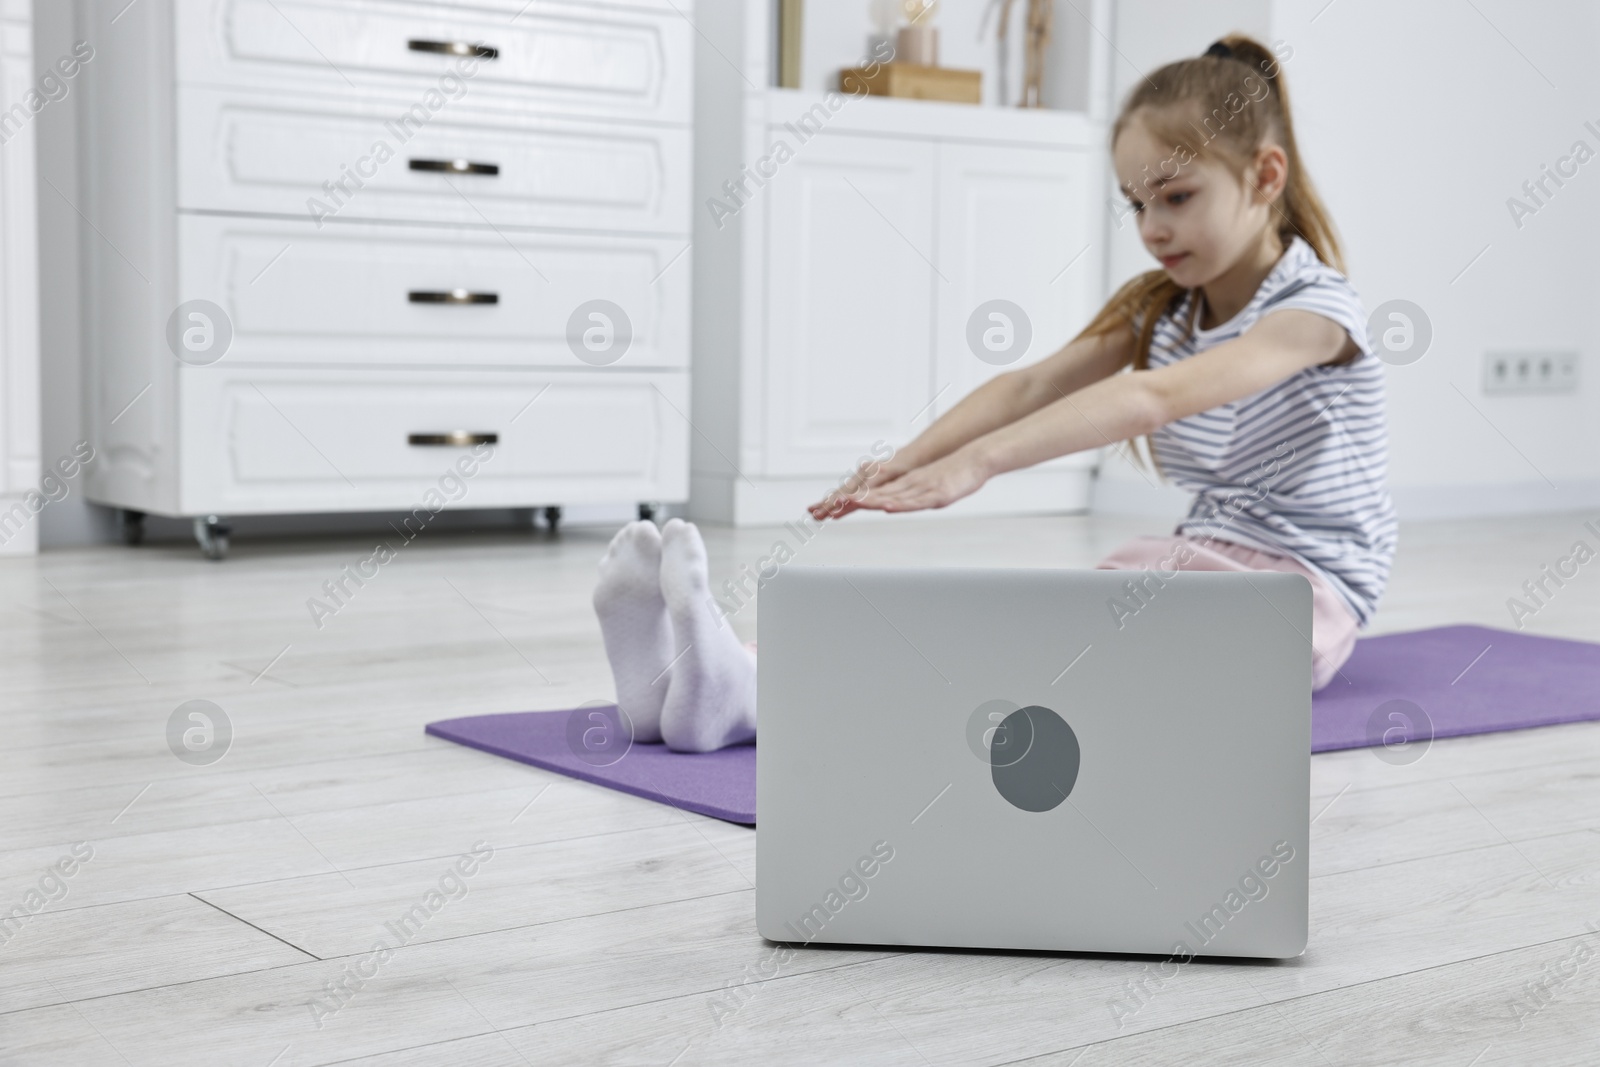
(935,485)
(866,480)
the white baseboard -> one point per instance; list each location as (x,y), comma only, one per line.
(1123,496)
(1420,503)
(18,538)
(1415,503)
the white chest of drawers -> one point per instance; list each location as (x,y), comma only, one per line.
(404,227)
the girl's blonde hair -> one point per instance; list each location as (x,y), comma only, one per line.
(1227,106)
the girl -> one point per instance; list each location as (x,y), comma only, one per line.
(1251,378)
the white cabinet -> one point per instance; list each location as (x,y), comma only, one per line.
(848,301)
(403,226)
(20,496)
(843,247)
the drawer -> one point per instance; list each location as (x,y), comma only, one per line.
(263,439)
(351,159)
(583,59)
(343,294)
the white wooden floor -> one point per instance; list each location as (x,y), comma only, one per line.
(220,899)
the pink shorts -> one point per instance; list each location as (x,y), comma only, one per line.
(1333,624)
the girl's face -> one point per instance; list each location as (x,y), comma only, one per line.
(1197,218)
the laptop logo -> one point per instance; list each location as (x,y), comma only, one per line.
(1034,757)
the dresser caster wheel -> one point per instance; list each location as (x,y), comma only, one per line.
(211,533)
(552,517)
(649,509)
(130,526)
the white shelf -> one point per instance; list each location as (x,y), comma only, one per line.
(931,119)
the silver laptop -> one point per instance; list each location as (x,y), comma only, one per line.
(1070,760)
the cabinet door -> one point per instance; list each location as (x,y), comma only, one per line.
(1014,227)
(849,301)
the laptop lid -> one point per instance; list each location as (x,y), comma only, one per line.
(1073,760)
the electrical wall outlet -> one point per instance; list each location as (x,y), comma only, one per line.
(1530,372)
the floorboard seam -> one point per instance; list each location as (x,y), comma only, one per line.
(610,833)
(547,922)
(253,926)
(556,779)
(1290,1000)
(350,870)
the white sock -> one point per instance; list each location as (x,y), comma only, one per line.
(711,700)
(635,626)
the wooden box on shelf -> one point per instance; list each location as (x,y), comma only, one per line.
(916,82)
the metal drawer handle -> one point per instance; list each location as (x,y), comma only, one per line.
(451,296)
(455,166)
(453,439)
(455,48)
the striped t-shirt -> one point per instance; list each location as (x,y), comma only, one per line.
(1299,468)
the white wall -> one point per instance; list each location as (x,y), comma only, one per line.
(71,520)
(1417,122)
(1147,34)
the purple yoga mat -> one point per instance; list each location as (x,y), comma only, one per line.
(1453,681)
(590,743)
(1394,691)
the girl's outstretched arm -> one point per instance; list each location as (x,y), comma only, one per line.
(1123,406)
(1000,401)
